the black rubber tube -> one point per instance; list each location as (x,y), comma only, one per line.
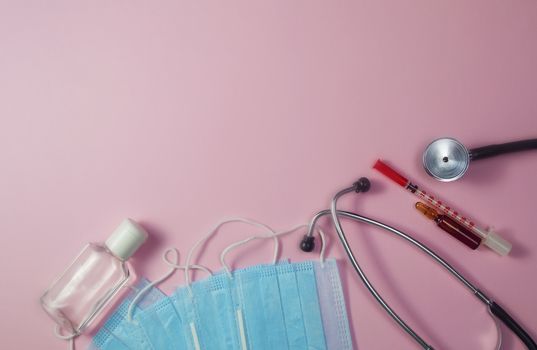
(494,150)
(499,312)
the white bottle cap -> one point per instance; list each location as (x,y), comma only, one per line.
(126,239)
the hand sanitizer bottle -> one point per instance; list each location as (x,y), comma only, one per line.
(96,275)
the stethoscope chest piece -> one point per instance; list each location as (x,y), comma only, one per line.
(446,159)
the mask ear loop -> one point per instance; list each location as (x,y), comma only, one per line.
(323,246)
(174,265)
(68,337)
(215,229)
(276,234)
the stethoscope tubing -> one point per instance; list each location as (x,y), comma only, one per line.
(498,149)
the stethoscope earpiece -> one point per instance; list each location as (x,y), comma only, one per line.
(307,244)
(362,185)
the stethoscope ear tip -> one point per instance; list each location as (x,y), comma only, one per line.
(362,185)
(307,244)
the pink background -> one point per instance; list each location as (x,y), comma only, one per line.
(179,114)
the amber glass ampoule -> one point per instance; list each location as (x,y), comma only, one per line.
(450,226)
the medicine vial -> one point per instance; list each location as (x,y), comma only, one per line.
(92,280)
(459,232)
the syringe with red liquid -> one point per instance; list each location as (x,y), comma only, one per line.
(489,238)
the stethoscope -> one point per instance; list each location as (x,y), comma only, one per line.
(447,159)
(362,185)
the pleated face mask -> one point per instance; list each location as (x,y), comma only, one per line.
(145,320)
(280,305)
(141,332)
(268,306)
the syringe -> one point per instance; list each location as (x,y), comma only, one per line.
(489,238)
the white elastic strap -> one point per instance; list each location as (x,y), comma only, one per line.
(214,230)
(174,265)
(323,246)
(195,336)
(249,239)
(276,234)
(242,332)
(69,337)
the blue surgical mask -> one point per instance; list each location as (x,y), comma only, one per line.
(270,306)
(307,291)
(148,320)
(208,314)
(216,315)
(143,332)
(301,318)
(259,302)
(332,305)
(104,340)
(273,307)
(293,306)
(249,309)
(191,326)
(171,321)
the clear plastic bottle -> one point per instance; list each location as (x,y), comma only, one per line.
(96,275)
